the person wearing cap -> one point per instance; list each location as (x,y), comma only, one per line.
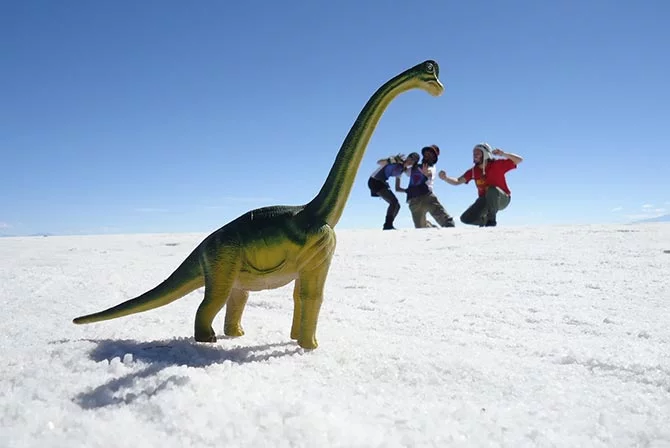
(378,184)
(493,193)
(420,196)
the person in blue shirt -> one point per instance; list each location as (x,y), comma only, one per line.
(392,166)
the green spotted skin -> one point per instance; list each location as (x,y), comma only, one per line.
(269,247)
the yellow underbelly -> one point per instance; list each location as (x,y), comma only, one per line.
(254,281)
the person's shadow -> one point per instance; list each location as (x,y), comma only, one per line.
(163,354)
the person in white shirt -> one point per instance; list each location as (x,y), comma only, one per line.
(420,196)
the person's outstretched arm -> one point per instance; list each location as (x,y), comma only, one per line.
(451,180)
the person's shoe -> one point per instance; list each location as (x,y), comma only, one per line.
(491,223)
(388,227)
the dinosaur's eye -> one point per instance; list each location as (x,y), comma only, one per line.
(429,67)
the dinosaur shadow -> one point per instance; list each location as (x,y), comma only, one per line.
(160,355)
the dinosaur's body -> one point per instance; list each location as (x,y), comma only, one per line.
(270,247)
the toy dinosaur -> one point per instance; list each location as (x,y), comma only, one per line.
(269,247)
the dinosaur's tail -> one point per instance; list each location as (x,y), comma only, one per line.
(186,278)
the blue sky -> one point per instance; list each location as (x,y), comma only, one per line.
(165,116)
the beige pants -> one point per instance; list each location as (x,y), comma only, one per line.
(428,203)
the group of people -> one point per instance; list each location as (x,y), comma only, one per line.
(488,173)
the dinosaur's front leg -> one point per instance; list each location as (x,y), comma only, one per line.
(297,314)
(307,305)
(234,309)
(220,271)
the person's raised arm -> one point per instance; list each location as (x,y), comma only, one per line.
(517,159)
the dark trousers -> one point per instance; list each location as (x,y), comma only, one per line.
(382,190)
(484,210)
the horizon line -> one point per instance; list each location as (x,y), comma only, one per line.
(205,232)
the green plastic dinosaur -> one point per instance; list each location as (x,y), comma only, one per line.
(269,247)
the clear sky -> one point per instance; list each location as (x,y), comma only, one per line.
(166,116)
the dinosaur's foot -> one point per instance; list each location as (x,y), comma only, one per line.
(233,331)
(308,343)
(205,336)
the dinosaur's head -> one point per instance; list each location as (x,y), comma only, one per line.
(426,76)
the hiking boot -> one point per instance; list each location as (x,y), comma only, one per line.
(491,223)
(388,227)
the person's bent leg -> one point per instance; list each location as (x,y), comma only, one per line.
(474,215)
(393,208)
(418,211)
(437,211)
(503,201)
(496,200)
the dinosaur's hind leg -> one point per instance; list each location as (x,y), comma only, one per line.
(234,309)
(219,280)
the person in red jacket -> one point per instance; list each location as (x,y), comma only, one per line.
(493,193)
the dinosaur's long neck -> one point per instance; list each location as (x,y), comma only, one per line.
(329,204)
